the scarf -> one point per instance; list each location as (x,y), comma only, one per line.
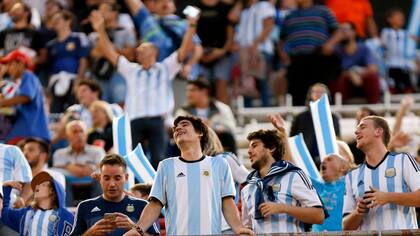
(278,169)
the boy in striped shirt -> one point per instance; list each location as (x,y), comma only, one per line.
(194,189)
(279,197)
(382,192)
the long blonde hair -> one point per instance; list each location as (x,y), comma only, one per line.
(213,145)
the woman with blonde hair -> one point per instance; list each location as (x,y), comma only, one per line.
(101,132)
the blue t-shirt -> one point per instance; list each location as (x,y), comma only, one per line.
(31,119)
(361,57)
(92,210)
(332,195)
(65,55)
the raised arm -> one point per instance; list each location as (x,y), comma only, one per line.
(187,39)
(280,125)
(104,44)
(134,6)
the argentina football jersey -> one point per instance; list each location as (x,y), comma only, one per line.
(192,194)
(398,172)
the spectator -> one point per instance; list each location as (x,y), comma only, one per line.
(36,151)
(303,123)
(357,12)
(31,120)
(78,160)
(256,23)
(331,190)
(46,215)
(184,212)
(150,96)
(394,41)
(68,53)
(239,172)
(359,74)
(101,132)
(113,212)
(87,91)
(141,191)
(217,115)
(22,35)
(14,167)
(359,156)
(304,57)
(288,201)
(165,32)
(216,62)
(372,201)
(124,40)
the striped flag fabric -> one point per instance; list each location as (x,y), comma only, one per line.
(324,128)
(121,131)
(301,156)
(138,163)
(413,28)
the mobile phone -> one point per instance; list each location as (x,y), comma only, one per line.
(191,11)
(109,216)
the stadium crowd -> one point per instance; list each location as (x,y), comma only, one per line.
(69,68)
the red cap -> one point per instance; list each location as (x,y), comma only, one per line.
(15,55)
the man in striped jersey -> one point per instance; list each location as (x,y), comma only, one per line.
(149,95)
(382,192)
(194,189)
(279,197)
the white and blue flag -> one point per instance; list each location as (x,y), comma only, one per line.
(413,29)
(121,131)
(138,163)
(324,127)
(301,156)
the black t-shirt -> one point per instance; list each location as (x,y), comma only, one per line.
(11,39)
(211,27)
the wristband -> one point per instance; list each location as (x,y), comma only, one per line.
(193,25)
(138,229)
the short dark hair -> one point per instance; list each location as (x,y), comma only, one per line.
(199,127)
(113,159)
(114,6)
(143,188)
(67,16)
(200,82)
(43,146)
(92,84)
(390,12)
(380,122)
(271,140)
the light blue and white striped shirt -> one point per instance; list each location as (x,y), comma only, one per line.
(149,92)
(192,194)
(251,24)
(13,165)
(293,189)
(398,172)
(40,223)
(395,44)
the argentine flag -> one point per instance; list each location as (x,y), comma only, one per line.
(121,131)
(301,156)
(139,164)
(324,128)
(413,29)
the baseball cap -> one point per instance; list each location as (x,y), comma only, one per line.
(15,55)
(40,178)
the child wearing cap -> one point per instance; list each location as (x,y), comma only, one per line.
(46,215)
